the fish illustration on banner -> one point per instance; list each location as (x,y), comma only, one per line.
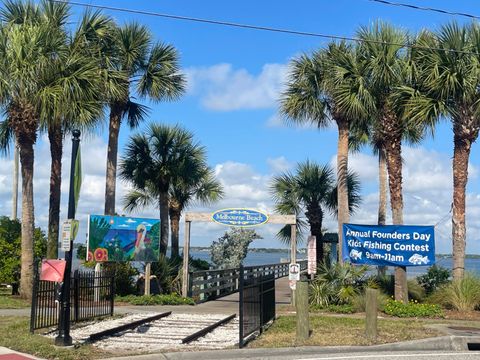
(120,238)
(389,245)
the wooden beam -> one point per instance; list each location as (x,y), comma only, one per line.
(207,329)
(272,219)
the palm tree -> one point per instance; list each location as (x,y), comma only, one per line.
(330,85)
(77,74)
(448,83)
(386,66)
(28,43)
(152,160)
(190,185)
(153,71)
(311,190)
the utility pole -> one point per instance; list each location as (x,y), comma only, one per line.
(64,338)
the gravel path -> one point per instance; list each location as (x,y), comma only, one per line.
(165,333)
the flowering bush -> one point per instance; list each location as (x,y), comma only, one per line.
(412,309)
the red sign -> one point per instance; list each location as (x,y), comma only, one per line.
(312,255)
(53,270)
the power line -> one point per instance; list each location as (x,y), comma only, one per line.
(441,11)
(259,28)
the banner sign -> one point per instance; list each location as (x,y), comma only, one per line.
(312,255)
(389,245)
(122,238)
(240,217)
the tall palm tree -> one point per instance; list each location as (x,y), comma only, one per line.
(330,85)
(190,185)
(152,71)
(448,82)
(153,159)
(28,43)
(387,69)
(311,190)
(78,76)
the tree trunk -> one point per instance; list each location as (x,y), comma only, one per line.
(163,205)
(55,136)
(16,160)
(28,219)
(314,216)
(175,226)
(342,174)
(382,196)
(394,166)
(112,152)
(461,154)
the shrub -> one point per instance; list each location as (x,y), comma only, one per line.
(435,277)
(415,290)
(124,277)
(412,309)
(387,284)
(462,295)
(336,284)
(166,299)
(360,300)
(167,272)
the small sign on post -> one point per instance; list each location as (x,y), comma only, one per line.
(294,272)
(69,232)
(312,255)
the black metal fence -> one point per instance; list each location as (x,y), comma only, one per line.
(212,284)
(256,300)
(91,295)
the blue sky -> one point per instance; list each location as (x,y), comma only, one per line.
(234,78)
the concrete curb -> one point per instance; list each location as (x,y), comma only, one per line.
(442,343)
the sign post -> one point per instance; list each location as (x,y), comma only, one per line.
(64,338)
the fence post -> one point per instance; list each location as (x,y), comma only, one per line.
(240,305)
(76,295)
(96,282)
(371,314)
(112,293)
(303,326)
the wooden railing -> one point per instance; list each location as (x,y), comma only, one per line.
(208,285)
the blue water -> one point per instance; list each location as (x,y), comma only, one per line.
(472,265)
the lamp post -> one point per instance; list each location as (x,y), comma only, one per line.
(64,338)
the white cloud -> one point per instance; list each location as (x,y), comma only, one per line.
(279,164)
(223,88)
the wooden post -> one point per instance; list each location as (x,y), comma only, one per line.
(148,272)
(303,324)
(186,256)
(96,282)
(293,254)
(371,314)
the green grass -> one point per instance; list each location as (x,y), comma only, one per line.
(336,331)
(12,302)
(14,334)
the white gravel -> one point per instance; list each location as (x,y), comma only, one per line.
(165,333)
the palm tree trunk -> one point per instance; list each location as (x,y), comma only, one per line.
(394,165)
(461,154)
(55,136)
(28,219)
(112,152)
(16,160)
(175,226)
(163,205)
(382,196)
(342,173)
